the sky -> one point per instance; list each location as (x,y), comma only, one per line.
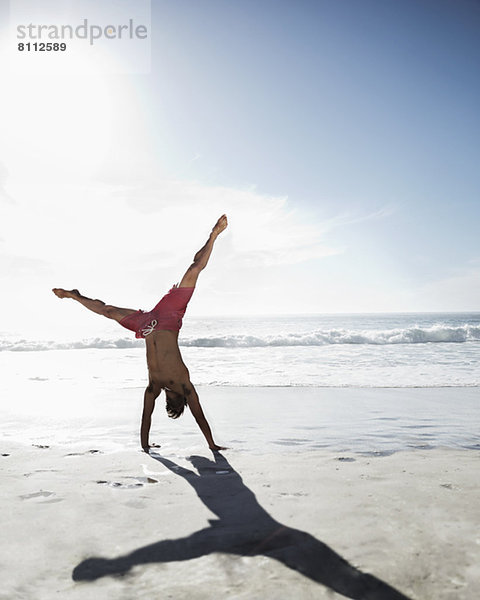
(341,138)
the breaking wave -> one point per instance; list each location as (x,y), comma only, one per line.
(436,334)
(31,346)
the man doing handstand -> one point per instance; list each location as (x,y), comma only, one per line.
(159,328)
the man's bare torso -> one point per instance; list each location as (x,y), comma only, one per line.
(165,364)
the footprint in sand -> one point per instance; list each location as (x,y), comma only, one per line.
(40,471)
(290,441)
(41,497)
(83,453)
(46,470)
(138,482)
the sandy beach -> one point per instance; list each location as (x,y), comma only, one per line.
(86,514)
(275,205)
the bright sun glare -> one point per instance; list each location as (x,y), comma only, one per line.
(57,114)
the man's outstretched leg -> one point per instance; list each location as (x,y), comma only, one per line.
(96,306)
(200,259)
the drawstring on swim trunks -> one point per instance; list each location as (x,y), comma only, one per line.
(149,328)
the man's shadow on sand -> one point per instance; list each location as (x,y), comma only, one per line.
(244,528)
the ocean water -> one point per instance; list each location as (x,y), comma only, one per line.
(369,383)
(374,350)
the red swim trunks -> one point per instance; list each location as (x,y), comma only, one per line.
(167,314)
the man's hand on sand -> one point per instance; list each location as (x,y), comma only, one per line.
(147,448)
(215,447)
(220,225)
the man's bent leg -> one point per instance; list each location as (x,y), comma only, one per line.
(96,306)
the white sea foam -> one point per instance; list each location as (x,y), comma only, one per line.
(435,334)
(412,335)
(23,345)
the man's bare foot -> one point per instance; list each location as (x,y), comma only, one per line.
(61,293)
(220,225)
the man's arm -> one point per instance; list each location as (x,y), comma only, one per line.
(148,407)
(194,405)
